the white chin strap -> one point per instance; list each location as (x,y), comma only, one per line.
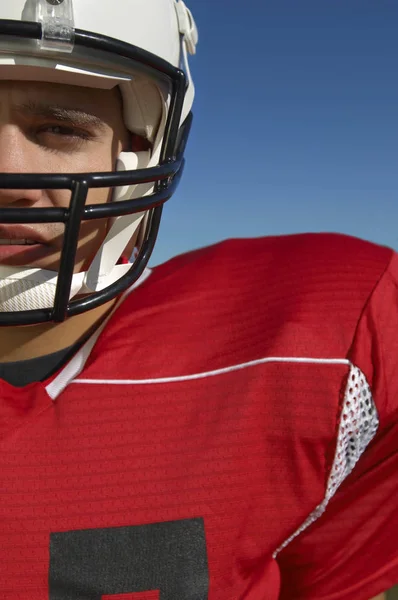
(30,289)
(24,288)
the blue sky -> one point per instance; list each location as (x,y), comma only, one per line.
(296,123)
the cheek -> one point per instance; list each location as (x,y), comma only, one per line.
(92,233)
(99,196)
(61,198)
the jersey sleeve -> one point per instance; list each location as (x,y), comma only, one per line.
(351,551)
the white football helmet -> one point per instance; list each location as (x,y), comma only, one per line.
(142,46)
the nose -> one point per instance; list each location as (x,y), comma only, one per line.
(17,156)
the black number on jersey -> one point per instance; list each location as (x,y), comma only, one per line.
(169,557)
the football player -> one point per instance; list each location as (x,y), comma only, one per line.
(221,427)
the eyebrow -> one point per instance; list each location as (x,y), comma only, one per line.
(74,116)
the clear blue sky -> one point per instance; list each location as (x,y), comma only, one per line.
(296,123)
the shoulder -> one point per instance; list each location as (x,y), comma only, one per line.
(242,258)
(304,267)
(261,294)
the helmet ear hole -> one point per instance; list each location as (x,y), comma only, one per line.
(139,143)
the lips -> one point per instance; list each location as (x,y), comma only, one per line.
(8,242)
(22,245)
(20,235)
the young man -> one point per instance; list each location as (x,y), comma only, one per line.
(221,427)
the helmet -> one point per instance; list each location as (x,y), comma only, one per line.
(142,47)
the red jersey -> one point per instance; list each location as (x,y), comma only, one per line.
(229,434)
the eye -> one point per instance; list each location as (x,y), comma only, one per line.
(60,138)
(64,131)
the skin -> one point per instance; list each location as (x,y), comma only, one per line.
(84,132)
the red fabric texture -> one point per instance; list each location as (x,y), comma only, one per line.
(196,406)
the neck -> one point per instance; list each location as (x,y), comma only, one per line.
(32,341)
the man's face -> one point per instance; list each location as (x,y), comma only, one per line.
(47,128)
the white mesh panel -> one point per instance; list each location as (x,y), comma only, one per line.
(358,426)
(24,294)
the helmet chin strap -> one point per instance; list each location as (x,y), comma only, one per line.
(29,289)
(24,288)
